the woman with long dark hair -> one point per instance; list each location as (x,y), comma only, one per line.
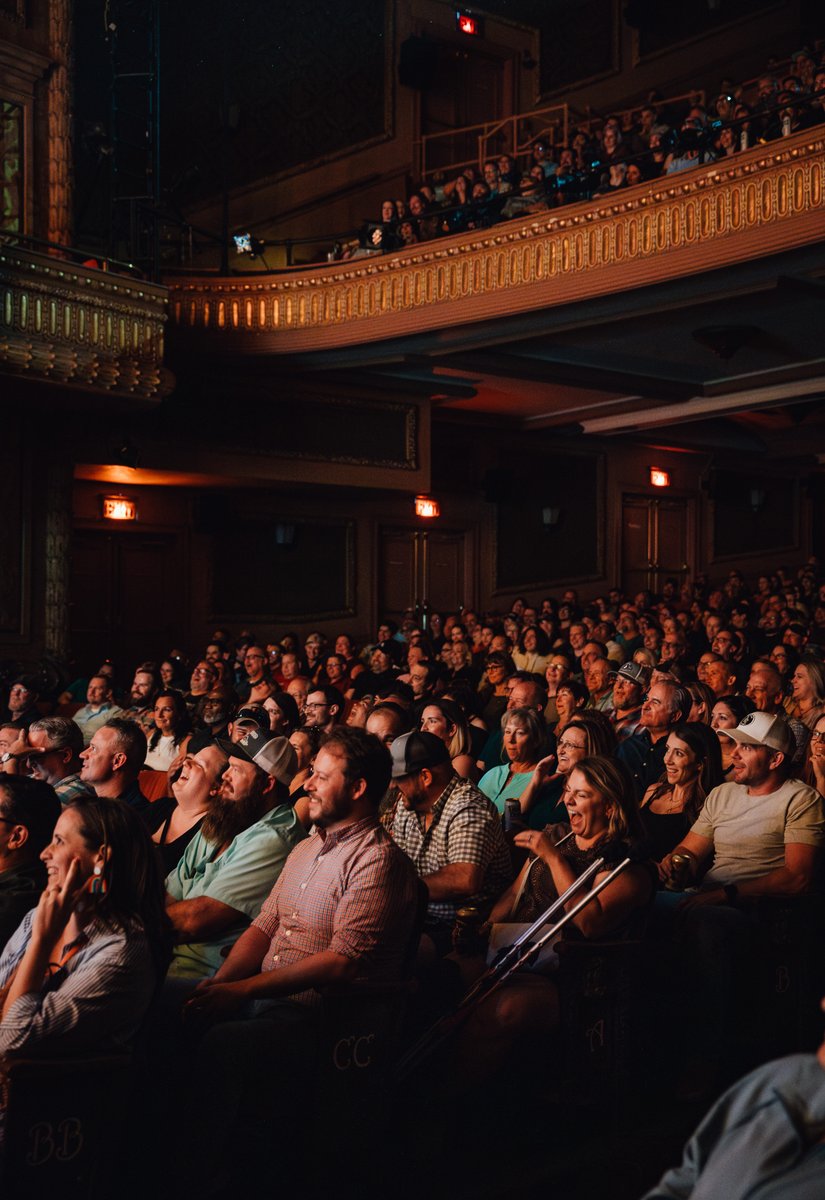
(172,725)
(80,972)
(693,767)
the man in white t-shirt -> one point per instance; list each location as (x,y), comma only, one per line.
(761,834)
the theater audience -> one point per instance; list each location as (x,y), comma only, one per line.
(235,857)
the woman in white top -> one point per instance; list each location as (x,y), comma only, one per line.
(171,730)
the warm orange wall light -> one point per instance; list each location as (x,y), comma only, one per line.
(659,478)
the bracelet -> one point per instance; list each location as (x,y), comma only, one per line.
(731,893)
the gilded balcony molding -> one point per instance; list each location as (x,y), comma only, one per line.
(757,203)
(76,325)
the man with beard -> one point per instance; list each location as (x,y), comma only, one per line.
(145,687)
(343,909)
(203,679)
(323,708)
(215,712)
(232,862)
(451,832)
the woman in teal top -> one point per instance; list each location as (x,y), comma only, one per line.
(524,734)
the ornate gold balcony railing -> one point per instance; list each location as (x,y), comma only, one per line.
(759,202)
(70,324)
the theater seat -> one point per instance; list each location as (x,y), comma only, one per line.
(154,784)
(64,1121)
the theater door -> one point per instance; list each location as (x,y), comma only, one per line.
(657,541)
(128,598)
(423,567)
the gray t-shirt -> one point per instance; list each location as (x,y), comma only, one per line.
(749,833)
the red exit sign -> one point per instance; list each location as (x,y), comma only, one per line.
(467,23)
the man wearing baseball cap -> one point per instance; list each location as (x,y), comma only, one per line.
(759,836)
(629,687)
(229,867)
(450,830)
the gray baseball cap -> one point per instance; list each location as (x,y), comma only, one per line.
(271,754)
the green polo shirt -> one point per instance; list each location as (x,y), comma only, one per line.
(242,877)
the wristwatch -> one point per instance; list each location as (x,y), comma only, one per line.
(731,893)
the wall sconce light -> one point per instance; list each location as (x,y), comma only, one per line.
(757,499)
(550,517)
(426,507)
(118,508)
(659,478)
(284,534)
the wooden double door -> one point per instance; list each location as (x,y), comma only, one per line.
(657,541)
(128,598)
(423,566)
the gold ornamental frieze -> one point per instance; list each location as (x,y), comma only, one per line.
(69,324)
(756,203)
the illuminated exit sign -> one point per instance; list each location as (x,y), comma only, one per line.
(467,23)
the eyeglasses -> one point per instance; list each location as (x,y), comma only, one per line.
(565,745)
(315,704)
(817,736)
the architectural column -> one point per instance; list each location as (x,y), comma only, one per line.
(59,123)
(57,565)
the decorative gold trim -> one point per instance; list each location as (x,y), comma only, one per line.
(86,327)
(760,202)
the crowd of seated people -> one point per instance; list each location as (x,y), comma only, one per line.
(604,157)
(311,791)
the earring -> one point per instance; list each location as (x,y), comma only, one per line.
(98,884)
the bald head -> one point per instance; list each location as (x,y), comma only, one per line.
(527,695)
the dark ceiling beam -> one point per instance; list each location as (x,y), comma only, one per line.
(549,367)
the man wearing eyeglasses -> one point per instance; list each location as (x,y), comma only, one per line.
(323,708)
(254,664)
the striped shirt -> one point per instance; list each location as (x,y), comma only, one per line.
(465,828)
(93,1005)
(350,891)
